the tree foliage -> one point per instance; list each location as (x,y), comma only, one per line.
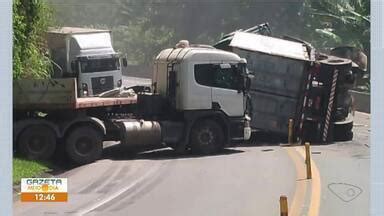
(30,20)
(141,29)
(333,23)
(141,44)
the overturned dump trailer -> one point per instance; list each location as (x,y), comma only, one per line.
(288,84)
(280,68)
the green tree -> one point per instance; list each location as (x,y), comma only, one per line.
(153,25)
(331,23)
(79,13)
(30,21)
(141,44)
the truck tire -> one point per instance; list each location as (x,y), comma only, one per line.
(84,145)
(206,137)
(37,142)
(343,132)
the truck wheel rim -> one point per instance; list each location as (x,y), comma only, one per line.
(206,137)
(84,146)
(37,144)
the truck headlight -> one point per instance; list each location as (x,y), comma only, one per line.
(119,82)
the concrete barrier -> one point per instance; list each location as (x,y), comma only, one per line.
(362,101)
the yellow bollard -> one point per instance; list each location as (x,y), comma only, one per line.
(290,131)
(308,160)
(283,206)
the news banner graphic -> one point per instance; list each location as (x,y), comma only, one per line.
(44,190)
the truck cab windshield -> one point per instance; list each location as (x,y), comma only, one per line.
(99,65)
(221,76)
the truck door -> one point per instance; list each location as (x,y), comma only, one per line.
(200,93)
(227,90)
(172,84)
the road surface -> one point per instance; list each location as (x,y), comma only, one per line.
(246,180)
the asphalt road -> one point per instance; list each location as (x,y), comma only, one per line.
(245,180)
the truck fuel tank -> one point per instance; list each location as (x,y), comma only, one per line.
(140,133)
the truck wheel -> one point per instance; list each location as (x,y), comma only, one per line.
(343,132)
(84,145)
(37,142)
(207,137)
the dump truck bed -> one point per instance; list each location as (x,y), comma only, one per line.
(280,69)
(55,94)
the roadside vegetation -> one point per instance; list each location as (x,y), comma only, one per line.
(30,20)
(23,168)
(333,23)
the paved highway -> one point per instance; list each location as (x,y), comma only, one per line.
(246,180)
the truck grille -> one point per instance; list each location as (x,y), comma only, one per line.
(102,84)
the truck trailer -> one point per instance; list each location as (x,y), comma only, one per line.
(291,82)
(197,104)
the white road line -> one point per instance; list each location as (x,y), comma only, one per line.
(117,193)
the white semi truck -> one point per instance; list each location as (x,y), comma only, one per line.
(197,103)
(85,54)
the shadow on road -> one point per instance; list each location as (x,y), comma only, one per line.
(273,139)
(117,152)
(60,163)
(264,139)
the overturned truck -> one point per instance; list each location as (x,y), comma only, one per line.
(290,81)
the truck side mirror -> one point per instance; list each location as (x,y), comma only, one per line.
(248,80)
(240,86)
(73,66)
(125,62)
(247,83)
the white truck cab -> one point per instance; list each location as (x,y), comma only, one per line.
(196,79)
(88,55)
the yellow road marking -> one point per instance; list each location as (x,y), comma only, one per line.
(301,182)
(314,206)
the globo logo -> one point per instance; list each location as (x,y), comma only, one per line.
(345,192)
